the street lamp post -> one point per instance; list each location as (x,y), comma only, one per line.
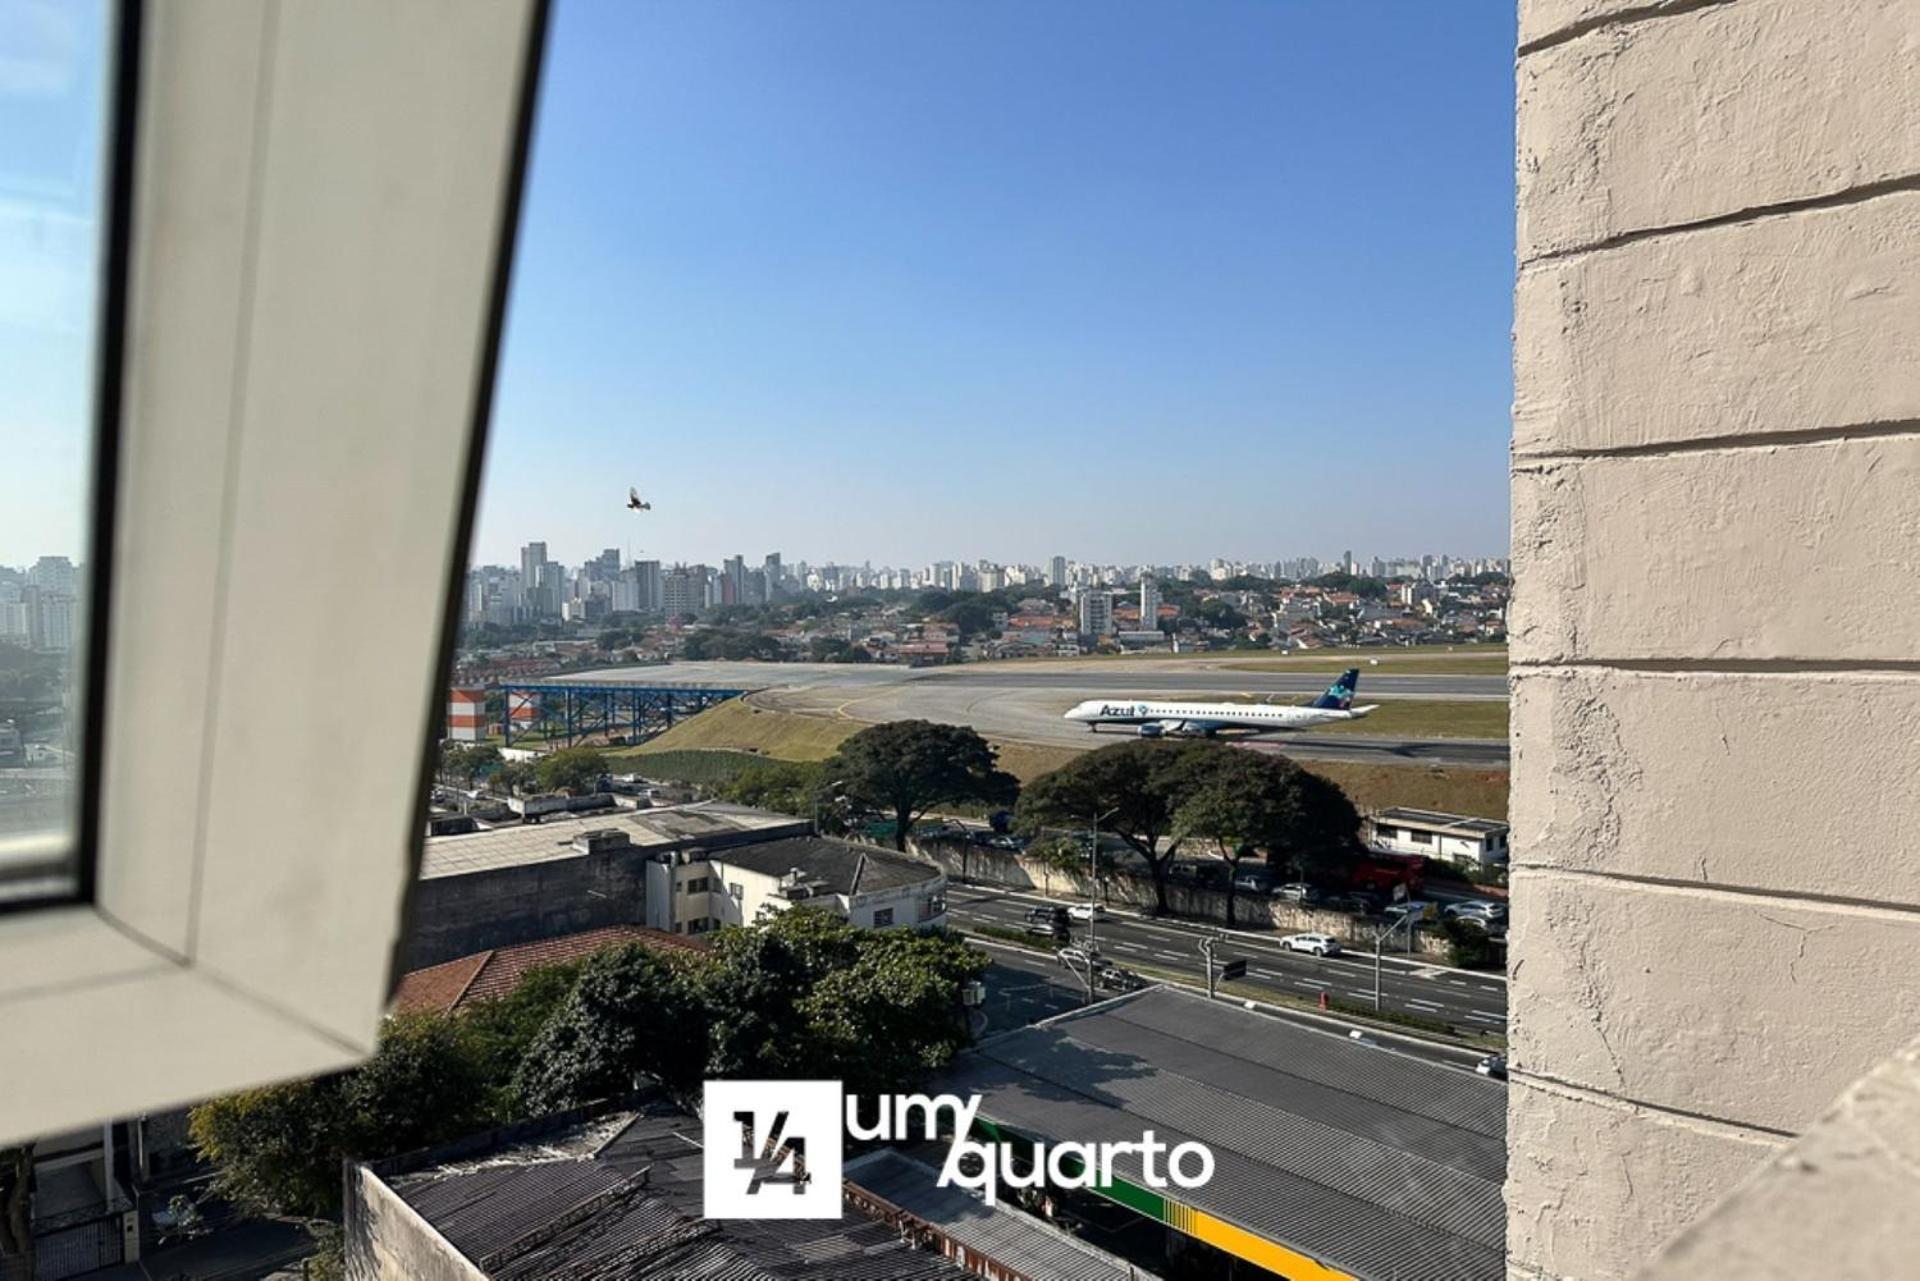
(1093,895)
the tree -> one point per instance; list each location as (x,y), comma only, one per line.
(1135,784)
(970,615)
(501,1029)
(631,1013)
(515,778)
(1236,800)
(905,768)
(785,787)
(279,1149)
(462,764)
(1320,838)
(1470,948)
(893,1015)
(574,769)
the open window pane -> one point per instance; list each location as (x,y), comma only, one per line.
(54,62)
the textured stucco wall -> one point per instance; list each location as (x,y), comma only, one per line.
(1715,635)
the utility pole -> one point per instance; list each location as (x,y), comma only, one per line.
(1093,897)
(1380,935)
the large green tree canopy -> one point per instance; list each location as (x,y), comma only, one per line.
(902,769)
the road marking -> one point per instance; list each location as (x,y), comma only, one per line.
(1414,1000)
(1170,956)
(1429,972)
(1490,1018)
(1455,983)
(1312,983)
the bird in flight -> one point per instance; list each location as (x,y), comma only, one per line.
(633,501)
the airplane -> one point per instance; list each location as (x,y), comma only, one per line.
(1204,720)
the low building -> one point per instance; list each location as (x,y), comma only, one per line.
(1332,1158)
(594,1199)
(503,886)
(701,891)
(1458,838)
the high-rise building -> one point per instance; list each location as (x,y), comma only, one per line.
(1149,602)
(1057,572)
(776,581)
(684,591)
(1096,611)
(53,574)
(533,560)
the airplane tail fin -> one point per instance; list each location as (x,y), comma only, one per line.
(1339,695)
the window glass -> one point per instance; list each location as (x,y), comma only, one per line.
(53,79)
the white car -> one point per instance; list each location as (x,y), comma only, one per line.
(1076,957)
(1087,912)
(1317,944)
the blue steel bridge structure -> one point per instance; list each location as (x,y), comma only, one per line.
(569,711)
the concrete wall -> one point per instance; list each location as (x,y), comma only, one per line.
(385,1240)
(971,863)
(1716,663)
(455,916)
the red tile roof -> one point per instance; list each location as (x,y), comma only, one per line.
(443,988)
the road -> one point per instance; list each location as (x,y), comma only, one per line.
(1025,987)
(1469,1002)
(1024,701)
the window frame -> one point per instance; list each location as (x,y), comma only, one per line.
(296,192)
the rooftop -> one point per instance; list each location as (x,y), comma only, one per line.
(1367,1160)
(844,868)
(1036,1249)
(662,829)
(621,1197)
(496,972)
(1439,822)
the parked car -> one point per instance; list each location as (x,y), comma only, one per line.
(1494,1065)
(1253,882)
(1359,902)
(1317,944)
(1477,907)
(1078,957)
(1087,912)
(1404,908)
(1119,979)
(1294,891)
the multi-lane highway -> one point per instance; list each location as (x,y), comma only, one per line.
(1467,1001)
(1024,701)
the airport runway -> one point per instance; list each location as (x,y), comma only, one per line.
(1024,701)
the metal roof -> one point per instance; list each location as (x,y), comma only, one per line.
(620,1198)
(1375,1162)
(1037,1250)
(1437,821)
(552,838)
(842,867)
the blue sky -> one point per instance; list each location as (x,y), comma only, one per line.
(911,280)
(906,280)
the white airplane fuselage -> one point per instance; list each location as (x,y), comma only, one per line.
(1206,718)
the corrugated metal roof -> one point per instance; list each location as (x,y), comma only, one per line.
(1042,1252)
(630,1208)
(1379,1163)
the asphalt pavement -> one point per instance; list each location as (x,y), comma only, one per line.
(1465,1000)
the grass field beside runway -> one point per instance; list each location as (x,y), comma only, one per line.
(736,727)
